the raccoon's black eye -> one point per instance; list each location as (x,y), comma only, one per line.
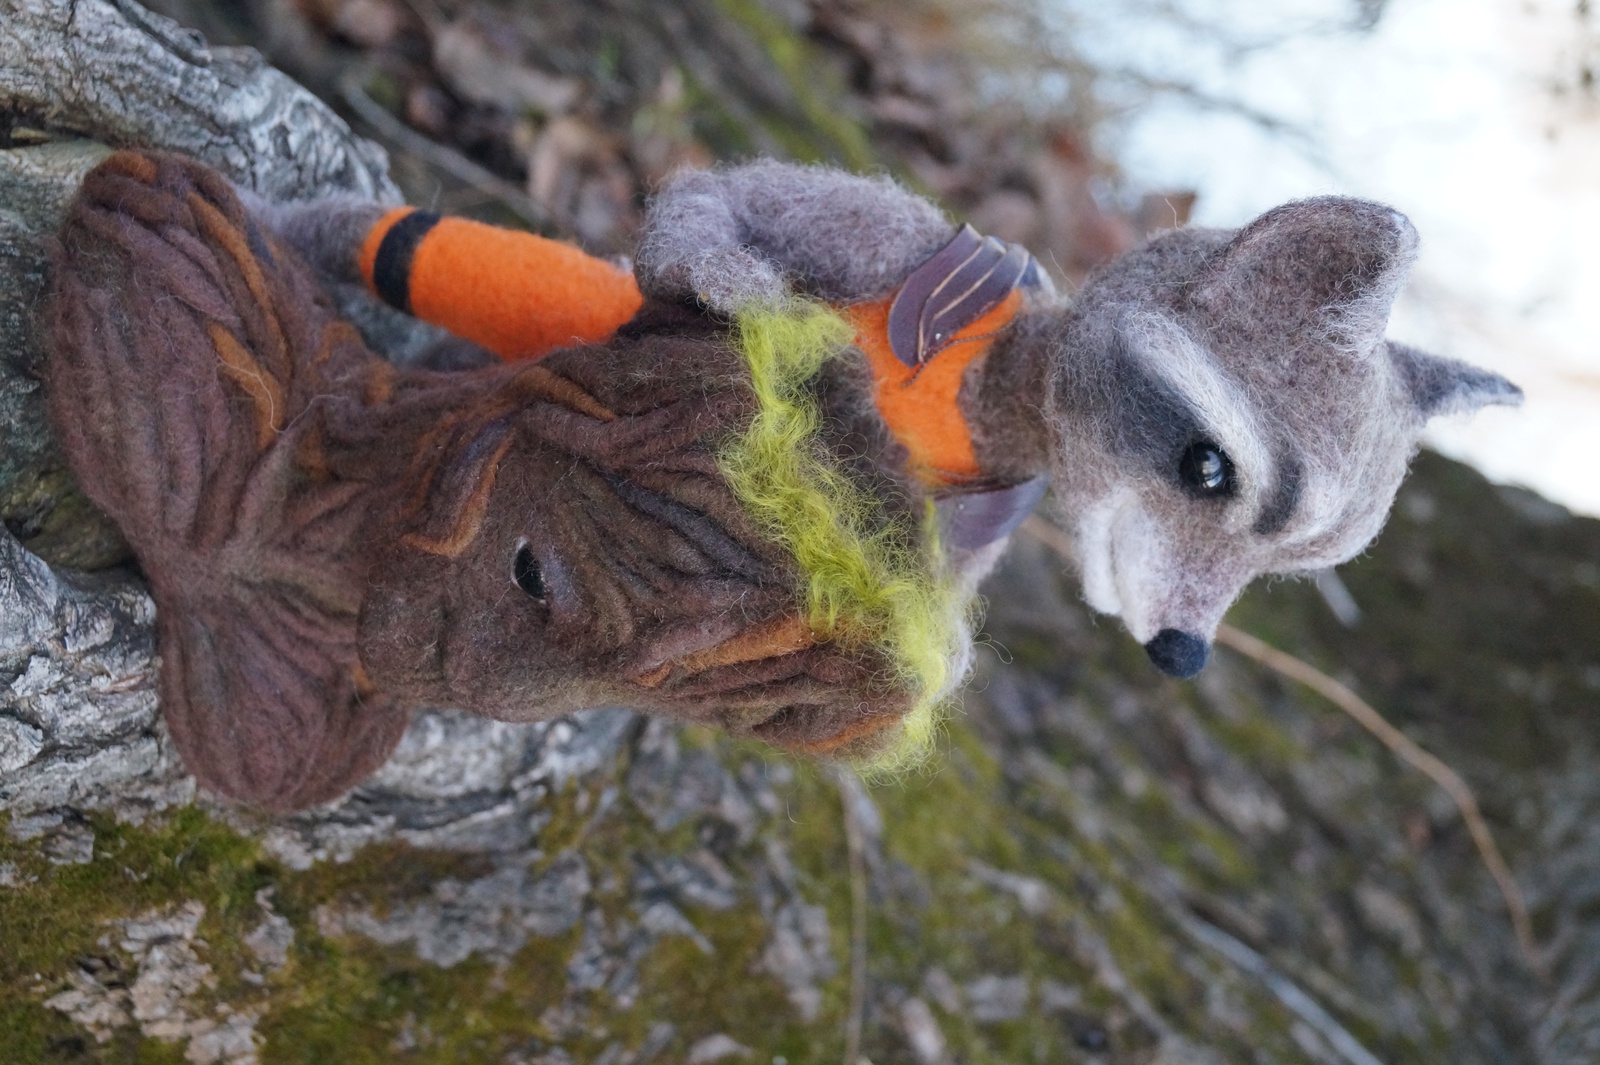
(525,571)
(1204,470)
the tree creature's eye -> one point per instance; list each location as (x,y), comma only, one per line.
(1205,470)
(525,571)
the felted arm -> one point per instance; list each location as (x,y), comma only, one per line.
(518,294)
(744,234)
(328,233)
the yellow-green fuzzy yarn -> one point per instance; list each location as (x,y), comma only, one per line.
(873,585)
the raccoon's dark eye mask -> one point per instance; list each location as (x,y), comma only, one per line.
(651,522)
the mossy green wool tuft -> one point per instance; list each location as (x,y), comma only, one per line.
(883,586)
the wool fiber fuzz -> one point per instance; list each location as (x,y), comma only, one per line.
(744,234)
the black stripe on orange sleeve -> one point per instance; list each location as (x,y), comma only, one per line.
(391,268)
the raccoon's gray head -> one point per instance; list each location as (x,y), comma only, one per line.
(1225,405)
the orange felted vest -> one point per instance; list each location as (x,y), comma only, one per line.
(920,342)
(521,296)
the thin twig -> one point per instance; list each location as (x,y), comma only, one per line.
(1285,990)
(1410,752)
(1051,537)
(856,848)
(1368,718)
(447,159)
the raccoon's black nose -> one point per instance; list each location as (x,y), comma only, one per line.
(1178,654)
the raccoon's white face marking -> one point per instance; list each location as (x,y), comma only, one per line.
(1095,555)
(1227,418)
(1136,560)
(1119,548)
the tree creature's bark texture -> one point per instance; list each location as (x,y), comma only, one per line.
(1103,867)
(37,498)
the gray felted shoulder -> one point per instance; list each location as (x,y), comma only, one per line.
(748,233)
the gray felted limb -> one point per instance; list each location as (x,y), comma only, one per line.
(327,233)
(739,234)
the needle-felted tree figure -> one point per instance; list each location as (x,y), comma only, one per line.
(664,520)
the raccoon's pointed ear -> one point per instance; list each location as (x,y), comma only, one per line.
(1330,267)
(1449,386)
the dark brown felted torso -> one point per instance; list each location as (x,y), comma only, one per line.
(331,541)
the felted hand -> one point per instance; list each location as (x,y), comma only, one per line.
(647,522)
(754,233)
(193,365)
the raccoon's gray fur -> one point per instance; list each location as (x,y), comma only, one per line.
(1212,406)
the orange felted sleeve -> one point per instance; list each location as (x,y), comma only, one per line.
(517,294)
(919,404)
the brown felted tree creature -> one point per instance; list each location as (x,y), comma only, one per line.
(332,541)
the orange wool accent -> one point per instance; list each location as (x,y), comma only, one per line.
(771,639)
(860,729)
(919,403)
(518,294)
